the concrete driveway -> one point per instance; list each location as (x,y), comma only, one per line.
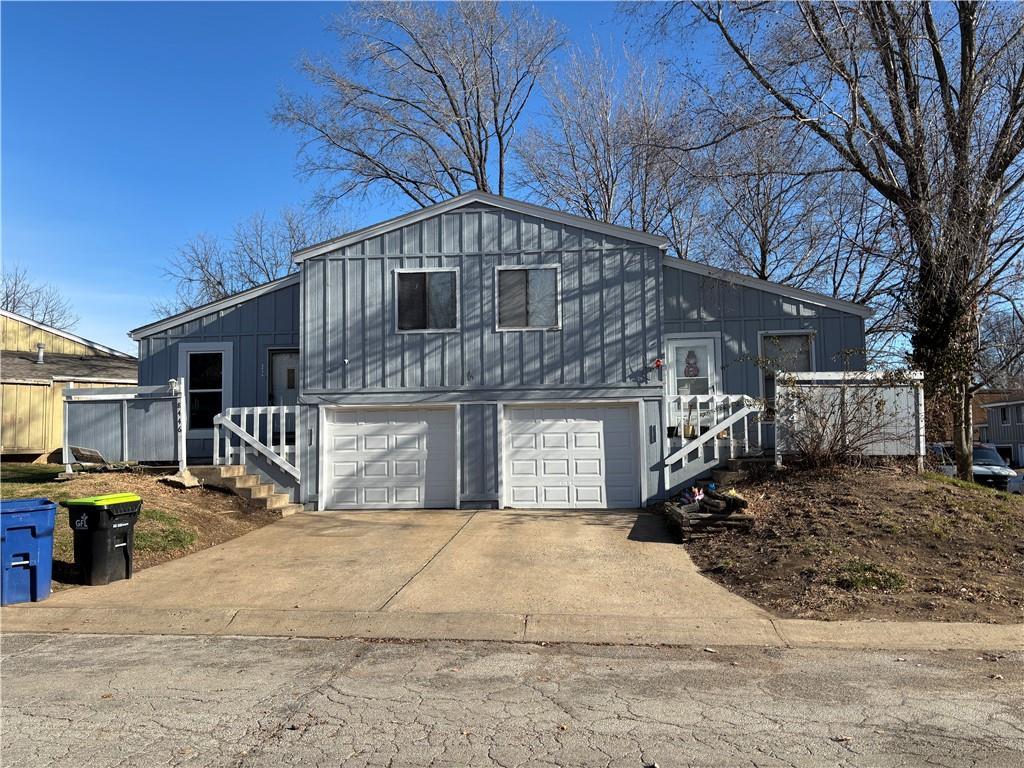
(611,563)
(565,576)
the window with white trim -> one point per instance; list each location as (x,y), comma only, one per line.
(427,300)
(788,352)
(1004,415)
(527,298)
(205,386)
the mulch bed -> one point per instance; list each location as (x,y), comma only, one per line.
(883,543)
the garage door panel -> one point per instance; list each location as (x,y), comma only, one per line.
(392,458)
(527,442)
(571,456)
(584,467)
(556,468)
(524,468)
(407,468)
(589,495)
(588,439)
(345,443)
(555,495)
(555,440)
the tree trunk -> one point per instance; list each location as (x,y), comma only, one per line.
(963,427)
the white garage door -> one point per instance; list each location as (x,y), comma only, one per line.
(572,456)
(389,457)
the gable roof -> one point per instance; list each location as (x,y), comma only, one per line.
(496,201)
(213,306)
(66,334)
(737,278)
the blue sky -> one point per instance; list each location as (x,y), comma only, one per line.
(129,127)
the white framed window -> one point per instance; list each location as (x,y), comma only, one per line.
(207,370)
(788,351)
(427,300)
(528,298)
(1004,415)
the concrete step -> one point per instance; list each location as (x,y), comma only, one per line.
(257,491)
(244,481)
(275,501)
(288,510)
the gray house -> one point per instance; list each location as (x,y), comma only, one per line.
(1006,429)
(486,352)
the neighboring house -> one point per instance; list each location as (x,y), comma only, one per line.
(1005,427)
(37,362)
(979,411)
(487,352)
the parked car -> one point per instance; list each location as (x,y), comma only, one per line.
(989,468)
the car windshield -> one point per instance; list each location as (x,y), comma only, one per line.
(987,457)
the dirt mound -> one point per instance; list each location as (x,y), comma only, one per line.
(874,543)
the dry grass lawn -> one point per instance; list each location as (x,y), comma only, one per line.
(174,522)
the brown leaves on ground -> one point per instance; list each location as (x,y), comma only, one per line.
(882,543)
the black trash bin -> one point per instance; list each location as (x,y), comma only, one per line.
(104,528)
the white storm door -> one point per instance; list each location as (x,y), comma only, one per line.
(572,457)
(386,458)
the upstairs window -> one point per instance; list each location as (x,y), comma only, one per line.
(427,300)
(528,298)
(1004,415)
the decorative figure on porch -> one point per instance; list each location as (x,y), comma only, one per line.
(691,370)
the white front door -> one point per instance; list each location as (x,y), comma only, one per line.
(693,369)
(572,456)
(389,458)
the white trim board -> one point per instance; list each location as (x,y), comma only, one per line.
(506,203)
(65,334)
(736,278)
(214,306)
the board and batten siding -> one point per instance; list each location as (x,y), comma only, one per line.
(253,327)
(696,303)
(610,333)
(23,337)
(610,311)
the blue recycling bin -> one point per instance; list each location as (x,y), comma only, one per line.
(26,545)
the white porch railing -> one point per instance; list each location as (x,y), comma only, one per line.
(271,431)
(701,419)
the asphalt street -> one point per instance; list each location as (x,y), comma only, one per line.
(100,700)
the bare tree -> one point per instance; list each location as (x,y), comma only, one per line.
(425,100)
(41,302)
(1002,348)
(608,152)
(206,269)
(926,104)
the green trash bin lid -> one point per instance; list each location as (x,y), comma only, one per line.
(106,500)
